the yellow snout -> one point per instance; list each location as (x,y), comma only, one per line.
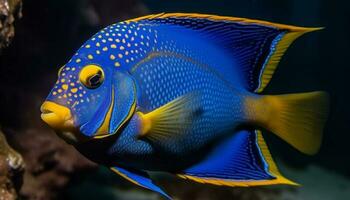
(57,116)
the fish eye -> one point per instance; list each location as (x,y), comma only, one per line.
(91,76)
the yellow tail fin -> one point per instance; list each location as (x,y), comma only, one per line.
(296,118)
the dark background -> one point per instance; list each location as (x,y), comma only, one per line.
(51,31)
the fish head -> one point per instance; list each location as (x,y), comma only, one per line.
(90,100)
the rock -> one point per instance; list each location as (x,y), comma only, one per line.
(11,168)
(50,163)
(9,11)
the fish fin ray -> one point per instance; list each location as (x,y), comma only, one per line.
(172,118)
(256,46)
(242,160)
(139,178)
(298,119)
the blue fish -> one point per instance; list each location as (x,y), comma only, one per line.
(180,93)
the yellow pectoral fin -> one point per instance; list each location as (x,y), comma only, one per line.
(172,118)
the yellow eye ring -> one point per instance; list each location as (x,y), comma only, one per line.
(60,70)
(91,76)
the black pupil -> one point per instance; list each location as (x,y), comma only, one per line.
(95,80)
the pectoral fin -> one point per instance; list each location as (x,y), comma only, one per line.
(140,178)
(172,118)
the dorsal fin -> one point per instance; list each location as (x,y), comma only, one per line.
(256,46)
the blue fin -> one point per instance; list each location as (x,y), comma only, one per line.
(241,160)
(255,46)
(139,178)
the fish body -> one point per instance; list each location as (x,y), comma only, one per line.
(179,93)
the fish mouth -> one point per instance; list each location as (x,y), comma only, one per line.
(57,116)
(60,119)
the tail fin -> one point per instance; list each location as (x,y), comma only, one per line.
(296,118)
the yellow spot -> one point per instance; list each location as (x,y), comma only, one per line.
(87,46)
(98,44)
(76,96)
(72,84)
(74,90)
(104,41)
(117,40)
(54,93)
(80,95)
(117,64)
(113,46)
(105,49)
(123,41)
(120,55)
(98,52)
(65,86)
(73,69)
(63,80)
(69,94)
(78,60)
(99,36)
(112,57)
(121,47)
(64,96)
(90,57)
(59,91)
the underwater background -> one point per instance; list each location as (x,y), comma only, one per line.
(48,32)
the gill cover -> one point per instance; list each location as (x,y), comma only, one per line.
(116,109)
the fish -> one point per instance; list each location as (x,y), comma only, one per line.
(182,93)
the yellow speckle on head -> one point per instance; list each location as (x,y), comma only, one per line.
(105,49)
(104,41)
(87,46)
(69,94)
(100,36)
(117,64)
(80,95)
(113,46)
(65,86)
(72,84)
(64,96)
(120,55)
(74,90)
(98,44)
(117,40)
(78,60)
(98,52)
(63,80)
(59,91)
(54,93)
(112,57)
(90,57)
(121,47)
(73,69)
(123,41)
(76,96)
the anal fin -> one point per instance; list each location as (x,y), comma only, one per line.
(140,178)
(241,160)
